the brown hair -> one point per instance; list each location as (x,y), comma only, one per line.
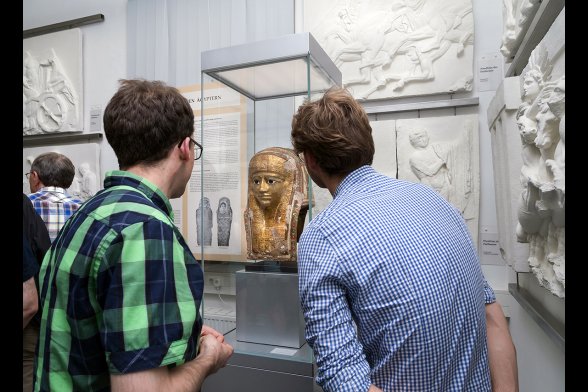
(144,119)
(336,130)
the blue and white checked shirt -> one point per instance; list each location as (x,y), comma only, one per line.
(395,258)
(55,206)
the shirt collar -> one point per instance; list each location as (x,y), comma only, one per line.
(52,189)
(121,177)
(353,178)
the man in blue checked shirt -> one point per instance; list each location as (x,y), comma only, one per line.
(394,259)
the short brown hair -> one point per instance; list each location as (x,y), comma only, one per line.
(336,130)
(144,119)
(54,169)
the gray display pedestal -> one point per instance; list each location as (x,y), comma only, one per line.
(264,368)
(268,309)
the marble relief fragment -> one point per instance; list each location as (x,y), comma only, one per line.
(517,16)
(52,83)
(442,152)
(394,49)
(541,212)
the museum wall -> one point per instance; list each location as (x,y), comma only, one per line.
(104,51)
(106,59)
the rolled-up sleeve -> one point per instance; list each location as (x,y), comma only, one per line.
(489,296)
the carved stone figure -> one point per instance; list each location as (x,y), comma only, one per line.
(88,183)
(533,171)
(224,218)
(541,211)
(517,16)
(557,165)
(277,203)
(204,223)
(428,163)
(445,167)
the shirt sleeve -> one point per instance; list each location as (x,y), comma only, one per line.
(330,331)
(36,230)
(152,291)
(489,296)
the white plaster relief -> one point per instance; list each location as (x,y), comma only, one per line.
(85,183)
(517,16)
(86,159)
(443,153)
(52,81)
(507,163)
(395,49)
(541,212)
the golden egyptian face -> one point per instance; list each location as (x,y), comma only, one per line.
(268,180)
(267,187)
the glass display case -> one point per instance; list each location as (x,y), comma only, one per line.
(248,95)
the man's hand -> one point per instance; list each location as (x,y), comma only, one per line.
(206,330)
(214,351)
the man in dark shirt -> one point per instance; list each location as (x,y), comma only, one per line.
(37,240)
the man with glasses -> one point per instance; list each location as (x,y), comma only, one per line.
(120,289)
(51,174)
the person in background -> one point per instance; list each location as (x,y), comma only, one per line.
(394,259)
(120,289)
(30,306)
(37,238)
(51,174)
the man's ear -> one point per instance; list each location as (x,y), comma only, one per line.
(310,160)
(35,181)
(184,148)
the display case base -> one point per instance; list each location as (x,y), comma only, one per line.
(264,368)
(268,309)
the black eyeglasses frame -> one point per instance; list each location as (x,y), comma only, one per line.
(197,148)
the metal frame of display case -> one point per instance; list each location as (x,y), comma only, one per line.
(281,49)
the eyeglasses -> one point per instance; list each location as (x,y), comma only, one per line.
(28,174)
(197,148)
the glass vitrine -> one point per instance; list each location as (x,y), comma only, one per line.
(248,95)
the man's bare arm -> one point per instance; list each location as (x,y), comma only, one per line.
(30,301)
(188,377)
(501,351)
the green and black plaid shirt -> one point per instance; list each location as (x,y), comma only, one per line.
(120,290)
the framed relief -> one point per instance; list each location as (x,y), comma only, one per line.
(443,153)
(396,49)
(52,95)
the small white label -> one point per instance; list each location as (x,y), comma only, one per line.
(283,351)
(490,247)
(490,71)
(95,120)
